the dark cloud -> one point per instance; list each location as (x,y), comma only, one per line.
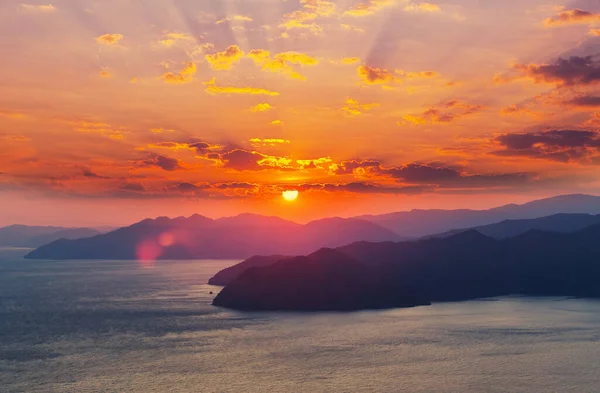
(87,172)
(136,187)
(235,185)
(186,187)
(242,160)
(571,71)
(585,101)
(419,173)
(365,188)
(554,145)
(348,167)
(166,163)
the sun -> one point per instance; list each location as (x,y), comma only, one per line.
(290,195)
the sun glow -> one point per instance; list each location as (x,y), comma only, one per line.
(290,195)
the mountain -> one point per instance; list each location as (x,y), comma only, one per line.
(35,236)
(199,237)
(420,223)
(464,266)
(326,280)
(563,223)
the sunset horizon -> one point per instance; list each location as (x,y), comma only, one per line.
(217,109)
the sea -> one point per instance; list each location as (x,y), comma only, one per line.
(124,326)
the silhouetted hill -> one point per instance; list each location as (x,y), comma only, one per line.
(563,223)
(326,280)
(227,275)
(227,238)
(464,266)
(35,236)
(420,223)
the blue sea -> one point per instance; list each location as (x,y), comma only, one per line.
(120,326)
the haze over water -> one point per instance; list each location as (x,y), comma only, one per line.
(115,326)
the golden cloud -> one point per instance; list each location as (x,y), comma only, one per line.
(11,115)
(282,62)
(570,17)
(377,76)
(517,110)
(423,7)
(235,18)
(353,108)
(212,88)
(595,32)
(346,26)
(109,39)
(105,73)
(38,8)
(350,60)
(256,142)
(186,75)
(97,128)
(170,39)
(368,7)
(225,60)
(262,107)
(448,112)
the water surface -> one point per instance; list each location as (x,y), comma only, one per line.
(118,326)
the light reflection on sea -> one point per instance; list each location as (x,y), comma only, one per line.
(114,326)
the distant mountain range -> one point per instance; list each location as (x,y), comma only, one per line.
(559,223)
(562,223)
(420,223)
(198,237)
(467,265)
(35,236)
(247,234)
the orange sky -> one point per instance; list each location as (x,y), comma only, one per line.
(115,110)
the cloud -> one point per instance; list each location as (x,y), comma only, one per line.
(242,160)
(368,7)
(350,60)
(226,59)
(282,62)
(212,88)
(518,110)
(269,142)
(235,18)
(87,172)
(435,175)
(163,162)
(172,38)
(185,187)
(570,17)
(381,76)
(96,128)
(571,71)
(11,115)
(423,7)
(355,167)
(105,73)
(363,188)
(262,107)
(553,145)
(447,112)
(109,39)
(377,76)
(585,102)
(46,8)
(595,32)
(186,75)
(353,108)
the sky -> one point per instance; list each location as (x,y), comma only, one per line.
(116,110)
